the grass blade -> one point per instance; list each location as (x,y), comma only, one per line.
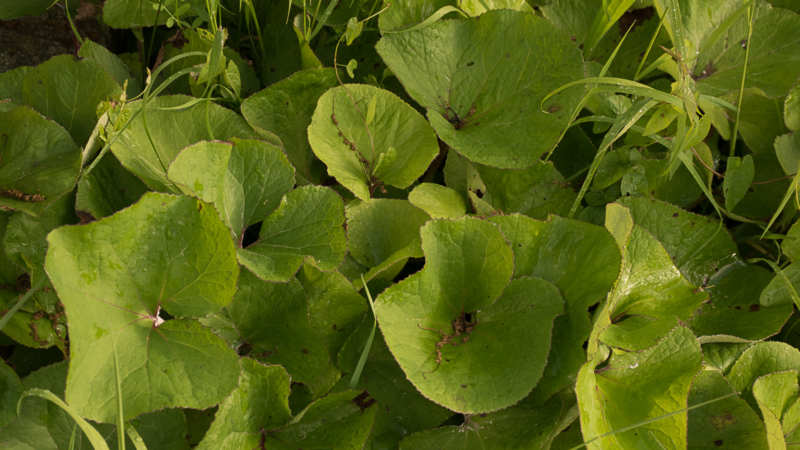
(735,131)
(624,86)
(94,437)
(20,303)
(603,21)
(365,353)
(120,412)
(138,443)
(675,23)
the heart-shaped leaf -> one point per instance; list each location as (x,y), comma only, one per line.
(285,109)
(114,276)
(454,316)
(759,360)
(484,95)
(170,131)
(245,179)
(307,223)
(352,151)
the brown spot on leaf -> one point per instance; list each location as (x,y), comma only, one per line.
(19,195)
(724,420)
(755,308)
(85,216)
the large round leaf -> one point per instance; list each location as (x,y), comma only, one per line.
(394,148)
(635,387)
(244,180)
(583,261)
(68,90)
(285,109)
(484,90)
(40,162)
(171,131)
(462,343)
(114,276)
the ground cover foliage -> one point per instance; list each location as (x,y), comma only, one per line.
(412,224)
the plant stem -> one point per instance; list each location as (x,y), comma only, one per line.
(741,88)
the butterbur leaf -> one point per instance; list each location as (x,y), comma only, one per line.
(68,90)
(40,162)
(510,428)
(438,201)
(734,309)
(638,332)
(696,246)
(381,227)
(334,307)
(737,180)
(107,189)
(135,150)
(350,151)
(656,381)
(537,191)
(407,409)
(112,64)
(139,13)
(9,394)
(307,223)
(774,393)
(285,108)
(269,322)
(729,423)
(115,275)
(261,402)
(582,261)
(339,421)
(758,360)
(456,299)
(482,98)
(244,179)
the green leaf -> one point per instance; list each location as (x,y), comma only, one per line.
(637,333)
(13,9)
(285,109)
(112,64)
(339,421)
(334,307)
(582,261)
(353,30)
(407,409)
(791,109)
(693,242)
(40,161)
(351,67)
(68,91)
(244,179)
(11,83)
(139,13)
(656,381)
(737,180)
(537,191)
(774,392)
(457,293)
(787,147)
(438,201)
(307,223)
(381,227)
(726,424)
(783,287)
(10,392)
(760,121)
(773,66)
(282,53)
(790,245)
(166,252)
(763,199)
(486,88)
(135,150)
(511,428)
(733,309)
(349,150)
(261,402)
(404,13)
(289,340)
(108,188)
(758,360)
(478,7)
(605,18)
